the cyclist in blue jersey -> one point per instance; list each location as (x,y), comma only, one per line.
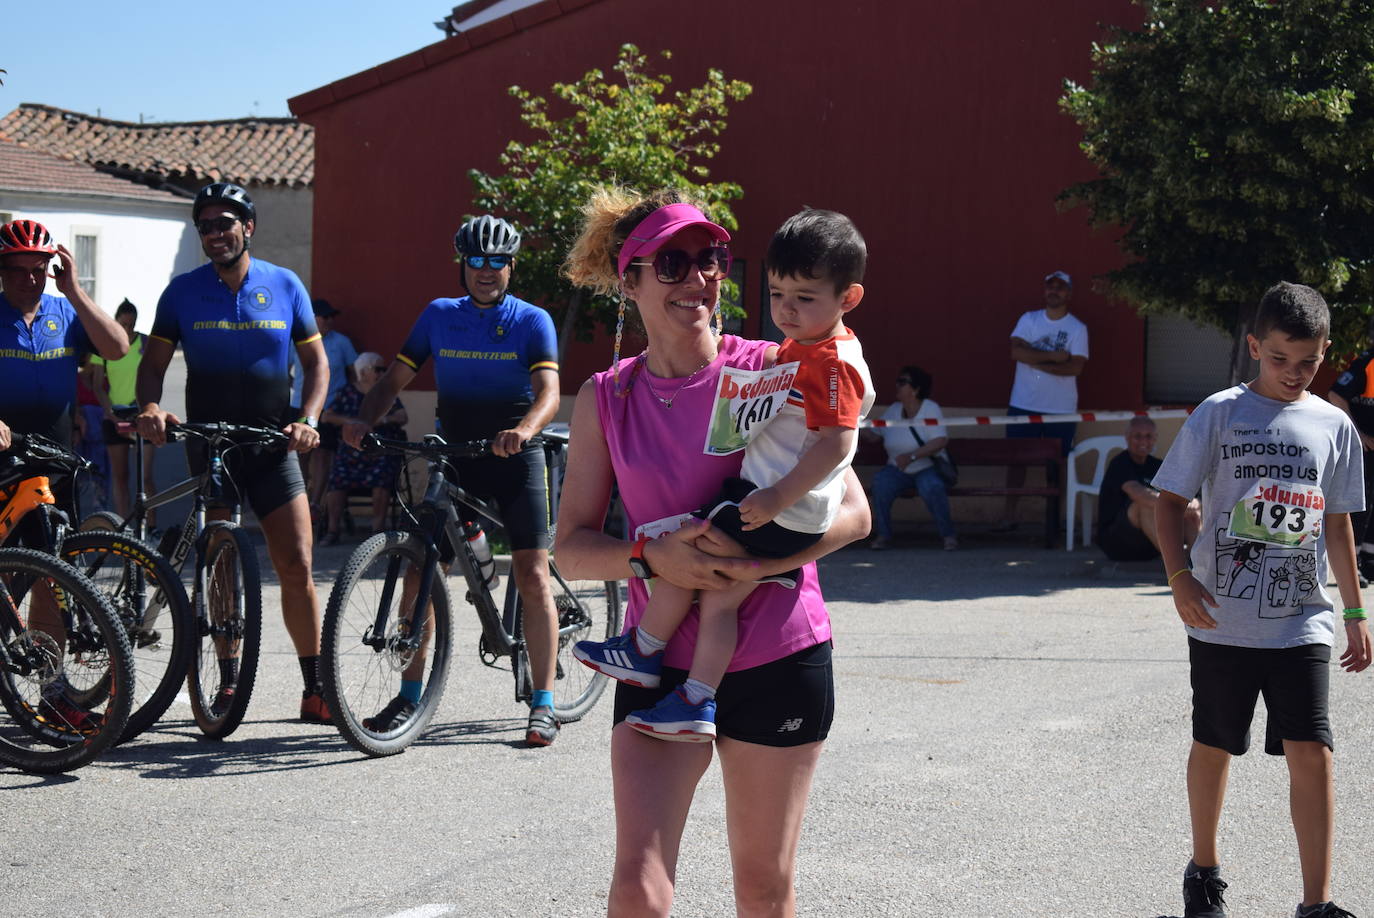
(237,319)
(44,338)
(496,367)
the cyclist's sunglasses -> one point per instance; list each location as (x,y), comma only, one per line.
(671,266)
(217,225)
(495,262)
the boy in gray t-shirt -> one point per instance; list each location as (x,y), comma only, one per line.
(1280,473)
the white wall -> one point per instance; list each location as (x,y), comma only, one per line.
(141,244)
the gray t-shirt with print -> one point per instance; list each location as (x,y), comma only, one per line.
(1269,471)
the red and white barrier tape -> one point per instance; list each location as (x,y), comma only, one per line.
(993,420)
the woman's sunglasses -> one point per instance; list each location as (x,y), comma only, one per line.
(671,266)
(495,262)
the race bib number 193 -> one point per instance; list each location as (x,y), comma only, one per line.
(1279,513)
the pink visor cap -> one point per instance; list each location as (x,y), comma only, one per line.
(655,229)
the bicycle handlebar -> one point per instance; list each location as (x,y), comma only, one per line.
(39,450)
(239,434)
(434,445)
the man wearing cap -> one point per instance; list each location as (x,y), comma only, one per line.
(237,318)
(43,338)
(1050,349)
(340,354)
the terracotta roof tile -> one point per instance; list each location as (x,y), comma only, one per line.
(264,151)
(23,169)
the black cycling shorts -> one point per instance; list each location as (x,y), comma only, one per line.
(517,485)
(269,476)
(1227,681)
(789,702)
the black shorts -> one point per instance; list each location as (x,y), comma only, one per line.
(269,476)
(331,435)
(518,486)
(1120,540)
(1227,680)
(789,702)
(112,436)
(768,541)
(1063,431)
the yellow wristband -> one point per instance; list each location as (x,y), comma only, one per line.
(1170,581)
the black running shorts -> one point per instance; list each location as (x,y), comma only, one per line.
(789,702)
(517,485)
(1227,681)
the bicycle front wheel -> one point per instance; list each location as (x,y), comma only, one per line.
(148,596)
(228,610)
(587,610)
(367,649)
(59,640)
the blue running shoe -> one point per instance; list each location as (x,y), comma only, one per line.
(620,659)
(676,718)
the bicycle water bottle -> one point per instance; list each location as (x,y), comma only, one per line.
(481,548)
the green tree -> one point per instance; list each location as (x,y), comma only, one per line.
(1235,148)
(627,131)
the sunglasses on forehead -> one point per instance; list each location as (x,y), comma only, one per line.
(495,262)
(671,266)
(216,225)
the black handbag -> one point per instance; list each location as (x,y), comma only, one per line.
(944,465)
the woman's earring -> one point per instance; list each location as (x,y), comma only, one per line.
(718,320)
(615,355)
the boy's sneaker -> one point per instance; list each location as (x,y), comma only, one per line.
(620,659)
(1202,889)
(397,711)
(676,718)
(1324,910)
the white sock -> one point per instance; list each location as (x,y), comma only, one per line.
(697,691)
(647,643)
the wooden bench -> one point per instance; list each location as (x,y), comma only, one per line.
(1004,452)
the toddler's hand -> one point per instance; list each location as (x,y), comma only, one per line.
(760,507)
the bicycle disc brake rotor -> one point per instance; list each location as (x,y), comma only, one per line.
(40,650)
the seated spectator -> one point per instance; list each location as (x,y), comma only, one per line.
(909,448)
(353,469)
(1126,503)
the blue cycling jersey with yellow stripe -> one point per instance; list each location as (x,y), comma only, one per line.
(38,365)
(237,345)
(483,359)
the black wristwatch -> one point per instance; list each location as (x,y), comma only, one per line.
(638,565)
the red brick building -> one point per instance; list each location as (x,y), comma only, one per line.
(935,126)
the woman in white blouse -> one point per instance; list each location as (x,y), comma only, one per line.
(909,448)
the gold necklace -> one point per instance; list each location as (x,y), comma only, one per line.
(668,402)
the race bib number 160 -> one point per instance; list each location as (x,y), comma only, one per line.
(746,400)
(1279,513)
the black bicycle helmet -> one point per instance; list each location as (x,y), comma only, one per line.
(224,193)
(486,235)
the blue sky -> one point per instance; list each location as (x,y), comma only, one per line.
(184,62)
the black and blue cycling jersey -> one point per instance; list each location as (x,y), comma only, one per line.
(483,359)
(38,365)
(237,345)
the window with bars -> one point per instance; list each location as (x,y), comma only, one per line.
(85,248)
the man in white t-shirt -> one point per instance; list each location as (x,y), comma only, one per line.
(1050,348)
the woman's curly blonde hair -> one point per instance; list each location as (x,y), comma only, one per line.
(609,216)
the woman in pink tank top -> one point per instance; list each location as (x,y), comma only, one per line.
(643,425)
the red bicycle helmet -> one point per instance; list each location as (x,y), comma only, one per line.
(26,236)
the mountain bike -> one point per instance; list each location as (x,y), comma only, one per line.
(58,639)
(226,587)
(390,606)
(142,590)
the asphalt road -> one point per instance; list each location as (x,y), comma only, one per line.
(1009,741)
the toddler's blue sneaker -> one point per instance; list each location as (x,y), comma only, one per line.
(676,718)
(620,659)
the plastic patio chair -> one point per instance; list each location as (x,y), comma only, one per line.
(1103,447)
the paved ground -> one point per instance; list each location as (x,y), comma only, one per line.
(1009,741)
